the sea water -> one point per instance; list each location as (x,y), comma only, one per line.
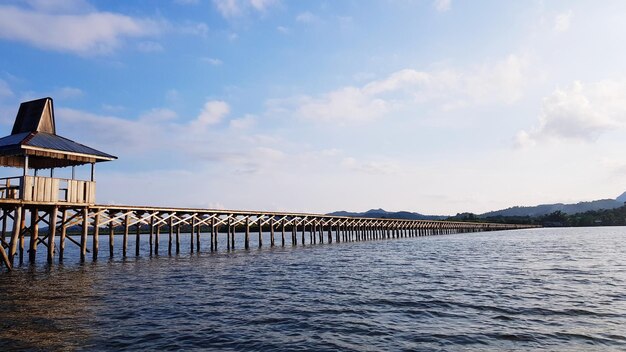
(554,289)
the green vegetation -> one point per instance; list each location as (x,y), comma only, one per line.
(605,217)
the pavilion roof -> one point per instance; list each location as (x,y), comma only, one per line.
(34,134)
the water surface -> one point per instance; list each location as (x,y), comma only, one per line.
(556,289)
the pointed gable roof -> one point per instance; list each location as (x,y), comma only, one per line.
(34,134)
(35,116)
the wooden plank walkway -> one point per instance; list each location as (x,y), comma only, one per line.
(20,219)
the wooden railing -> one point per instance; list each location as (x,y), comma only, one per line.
(47,189)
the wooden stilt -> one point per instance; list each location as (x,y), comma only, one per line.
(151,234)
(193,227)
(17,220)
(157,239)
(212,229)
(96,236)
(228,231)
(178,239)
(260,233)
(232,237)
(111,235)
(83,237)
(171,234)
(34,235)
(247,239)
(137,237)
(63,234)
(198,230)
(52,230)
(125,237)
(22,233)
(272,232)
(5,258)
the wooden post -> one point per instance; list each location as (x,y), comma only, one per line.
(215,231)
(125,238)
(96,234)
(63,235)
(137,235)
(5,258)
(178,239)
(34,235)
(198,230)
(193,226)
(294,237)
(232,237)
(17,220)
(52,230)
(212,229)
(111,235)
(260,233)
(83,237)
(247,239)
(157,239)
(272,232)
(228,230)
(171,234)
(4,224)
(151,233)
(303,230)
(330,233)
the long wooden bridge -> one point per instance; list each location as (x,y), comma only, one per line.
(44,208)
(164,227)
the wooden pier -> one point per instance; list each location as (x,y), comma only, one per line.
(208,230)
(43,208)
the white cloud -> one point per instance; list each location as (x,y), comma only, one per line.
(579,112)
(442,5)
(235,8)
(212,61)
(371,167)
(283,30)
(61,6)
(307,17)
(228,8)
(68,93)
(499,82)
(5,90)
(262,5)
(86,34)
(562,21)
(194,28)
(158,115)
(243,122)
(212,113)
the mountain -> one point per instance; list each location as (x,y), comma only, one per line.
(381,213)
(565,208)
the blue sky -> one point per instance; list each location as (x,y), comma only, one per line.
(430,106)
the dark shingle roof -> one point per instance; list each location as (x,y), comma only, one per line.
(48,141)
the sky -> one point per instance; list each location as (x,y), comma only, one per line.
(437,107)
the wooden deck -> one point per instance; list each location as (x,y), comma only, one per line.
(20,219)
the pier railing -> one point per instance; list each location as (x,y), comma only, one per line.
(48,189)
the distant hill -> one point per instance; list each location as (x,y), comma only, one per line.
(565,208)
(383,214)
(537,210)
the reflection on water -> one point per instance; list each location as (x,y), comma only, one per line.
(562,289)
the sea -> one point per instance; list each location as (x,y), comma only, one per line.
(554,289)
